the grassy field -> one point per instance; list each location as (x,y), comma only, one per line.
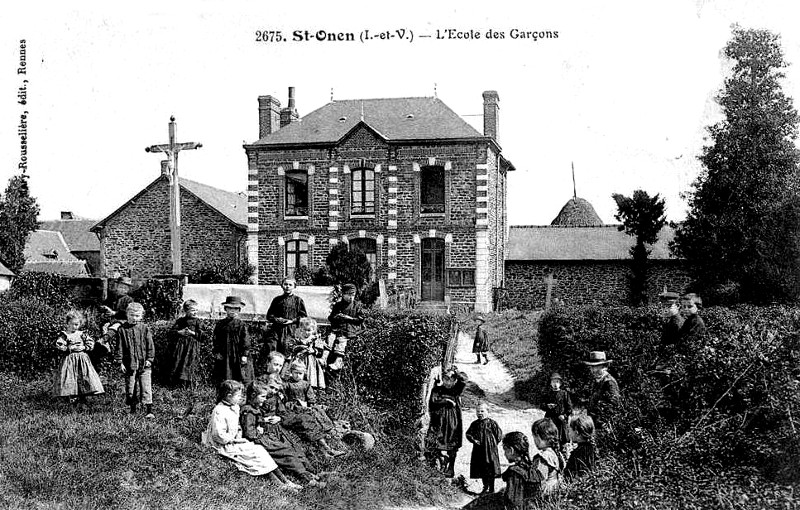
(53,456)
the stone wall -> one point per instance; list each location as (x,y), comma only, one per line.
(583,283)
(136,241)
(397,225)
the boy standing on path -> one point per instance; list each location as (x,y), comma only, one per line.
(481,344)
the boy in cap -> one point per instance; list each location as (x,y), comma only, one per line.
(481,343)
(557,406)
(346,318)
(231,349)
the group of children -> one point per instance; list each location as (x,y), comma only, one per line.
(284,399)
(556,436)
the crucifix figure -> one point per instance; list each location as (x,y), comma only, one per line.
(172,149)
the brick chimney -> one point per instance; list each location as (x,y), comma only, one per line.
(269,115)
(491,113)
(67,215)
(289,114)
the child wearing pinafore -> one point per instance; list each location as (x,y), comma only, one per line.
(444,434)
(224,435)
(310,348)
(77,377)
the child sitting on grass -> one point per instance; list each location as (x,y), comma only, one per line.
(548,463)
(267,432)
(303,424)
(77,377)
(224,435)
(584,456)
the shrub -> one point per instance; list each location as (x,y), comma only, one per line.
(52,289)
(730,396)
(393,357)
(161,299)
(222,272)
(303,276)
(28,328)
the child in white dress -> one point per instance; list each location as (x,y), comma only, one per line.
(77,377)
(224,435)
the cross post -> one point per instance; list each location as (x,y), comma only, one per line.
(172,149)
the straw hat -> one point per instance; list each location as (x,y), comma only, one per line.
(597,358)
(233,301)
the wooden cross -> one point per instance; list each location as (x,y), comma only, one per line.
(549,280)
(172,149)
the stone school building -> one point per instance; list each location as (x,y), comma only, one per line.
(405,180)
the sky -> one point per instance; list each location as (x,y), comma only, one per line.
(624,92)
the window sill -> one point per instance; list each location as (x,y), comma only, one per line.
(288,218)
(431,215)
(362,216)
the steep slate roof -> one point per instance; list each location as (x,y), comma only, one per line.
(558,243)
(59,260)
(404,118)
(62,267)
(76,233)
(231,205)
(577,212)
(48,242)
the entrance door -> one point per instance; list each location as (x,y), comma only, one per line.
(432,269)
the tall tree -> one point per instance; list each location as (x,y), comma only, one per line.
(750,174)
(18,218)
(642,217)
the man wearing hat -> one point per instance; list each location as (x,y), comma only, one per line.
(231,349)
(672,325)
(346,318)
(605,398)
(481,343)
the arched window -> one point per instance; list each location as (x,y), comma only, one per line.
(431,190)
(296,255)
(363,191)
(369,248)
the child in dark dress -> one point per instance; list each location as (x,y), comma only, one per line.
(186,335)
(284,315)
(584,456)
(267,432)
(444,434)
(485,435)
(303,424)
(481,343)
(522,480)
(558,406)
(232,360)
(346,318)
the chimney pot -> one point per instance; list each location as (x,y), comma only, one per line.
(289,114)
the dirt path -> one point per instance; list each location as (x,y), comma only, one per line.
(511,414)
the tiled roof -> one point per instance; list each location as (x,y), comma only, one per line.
(405,118)
(47,245)
(532,243)
(63,267)
(4,271)
(76,233)
(231,205)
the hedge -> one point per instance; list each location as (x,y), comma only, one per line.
(732,396)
